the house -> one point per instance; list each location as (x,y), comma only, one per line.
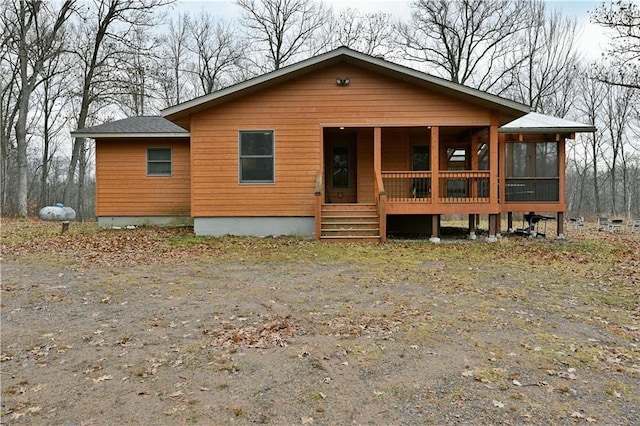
(341,146)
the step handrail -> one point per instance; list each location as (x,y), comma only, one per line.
(318,205)
(381,203)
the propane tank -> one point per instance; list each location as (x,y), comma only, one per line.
(58,213)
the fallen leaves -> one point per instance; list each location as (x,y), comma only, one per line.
(126,330)
(579,415)
(26,410)
(108,247)
(103,378)
(569,374)
(275,331)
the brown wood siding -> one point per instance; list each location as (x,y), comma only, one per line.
(297,111)
(395,150)
(365,166)
(123,187)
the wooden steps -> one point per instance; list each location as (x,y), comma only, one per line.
(350,223)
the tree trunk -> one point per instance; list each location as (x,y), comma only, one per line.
(26,87)
(596,193)
(81,177)
(45,149)
(21,138)
(78,147)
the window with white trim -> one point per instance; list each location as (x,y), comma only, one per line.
(256,156)
(159,161)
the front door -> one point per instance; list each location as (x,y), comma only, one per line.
(340,167)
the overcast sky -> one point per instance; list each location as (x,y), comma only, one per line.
(592,38)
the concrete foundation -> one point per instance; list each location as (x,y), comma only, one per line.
(123,221)
(254,226)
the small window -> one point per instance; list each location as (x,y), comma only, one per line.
(158,161)
(256,161)
(457,155)
(483,156)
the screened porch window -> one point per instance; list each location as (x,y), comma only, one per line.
(256,161)
(158,161)
(532,171)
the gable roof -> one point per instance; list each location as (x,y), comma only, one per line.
(344,54)
(134,127)
(539,123)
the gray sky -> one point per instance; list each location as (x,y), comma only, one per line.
(592,37)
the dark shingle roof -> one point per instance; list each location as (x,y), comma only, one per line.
(134,127)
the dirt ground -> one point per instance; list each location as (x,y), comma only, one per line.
(154,327)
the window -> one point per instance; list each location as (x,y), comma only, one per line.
(532,159)
(483,156)
(547,159)
(532,172)
(158,161)
(457,155)
(340,167)
(256,157)
(420,158)
(521,159)
(420,187)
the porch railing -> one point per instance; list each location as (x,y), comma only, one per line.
(408,186)
(470,187)
(532,189)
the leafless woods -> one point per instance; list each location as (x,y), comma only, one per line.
(69,64)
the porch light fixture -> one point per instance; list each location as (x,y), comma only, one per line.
(343,81)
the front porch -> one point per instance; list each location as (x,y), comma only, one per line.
(432,170)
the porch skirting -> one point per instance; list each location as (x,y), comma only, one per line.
(122,221)
(254,226)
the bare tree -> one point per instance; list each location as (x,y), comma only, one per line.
(135,75)
(282,30)
(592,95)
(370,33)
(8,111)
(616,116)
(53,101)
(216,50)
(107,25)
(545,77)
(623,67)
(35,37)
(174,56)
(466,41)
(578,168)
